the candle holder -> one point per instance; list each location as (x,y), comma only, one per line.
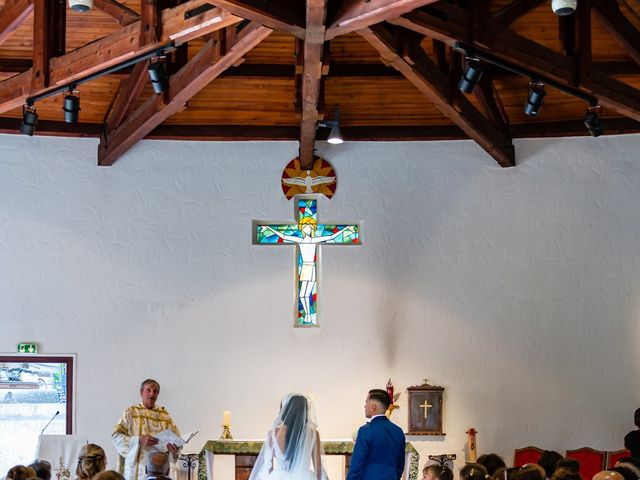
(226,432)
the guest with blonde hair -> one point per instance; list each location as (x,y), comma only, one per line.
(91,461)
(108,475)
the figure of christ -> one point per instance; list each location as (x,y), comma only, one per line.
(307,267)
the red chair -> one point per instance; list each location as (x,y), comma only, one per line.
(525,455)
(613,457)
(591,461)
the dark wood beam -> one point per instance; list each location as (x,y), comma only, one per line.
(450,24)
(618,26)
(567,34)
(192,78)
(275,15)
(490,103)
(516,9)
(422,72)
(401,133)
(633,5)
(353,15)
(312,73)
(121,13)
(13,14)
(49,27)
(114,49)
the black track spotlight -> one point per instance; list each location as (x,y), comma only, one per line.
(29,120)
(592,121)
(71,107)
(158,76)
(471,75)
(535,98)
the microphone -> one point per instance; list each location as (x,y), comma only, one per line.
(54,416)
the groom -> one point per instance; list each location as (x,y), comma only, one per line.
(379,450)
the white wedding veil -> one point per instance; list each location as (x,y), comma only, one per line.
(292,448)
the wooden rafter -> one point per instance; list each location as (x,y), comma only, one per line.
(490,103)
(312,73)
(421,71)
(114,49)
(121,13)
(516,9)
(192,78)
(49,27)
(276,15)
(618,26)
(451,25)
(357,14)
(12,14)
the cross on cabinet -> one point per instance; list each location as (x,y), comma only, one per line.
(426,407)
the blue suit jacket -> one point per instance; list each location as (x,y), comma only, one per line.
(379,452)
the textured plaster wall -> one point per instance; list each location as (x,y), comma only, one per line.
(516,289)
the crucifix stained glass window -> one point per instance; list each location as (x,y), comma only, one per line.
(307,235)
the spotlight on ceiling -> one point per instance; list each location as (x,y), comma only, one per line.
(29,120)
(535,98)
(471,75)
(158,76)
(592,121)
(335,137)
(564,7)
(81,6)
(71,107)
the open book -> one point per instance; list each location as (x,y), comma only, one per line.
(167,436)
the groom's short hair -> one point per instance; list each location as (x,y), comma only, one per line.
(380,396)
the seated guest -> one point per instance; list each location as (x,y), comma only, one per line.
(108,475)
(607,475)
(157,467)
(473,471)
(91,461)
(492,462)
(625,472)
(630,463)
(531,471)
(548,460)
(20,472)
(436,472)
(632,439)
(569,464)
(42,468)
(566,472)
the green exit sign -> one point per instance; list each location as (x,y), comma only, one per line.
(27,348)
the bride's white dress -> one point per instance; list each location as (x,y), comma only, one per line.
(279,469)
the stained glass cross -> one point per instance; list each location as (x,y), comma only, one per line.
(307,234)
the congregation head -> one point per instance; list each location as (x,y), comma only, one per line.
(568,464)
(608,475)
(109,475)
(636,417)
(531,471)
(149,391)
(436,472)
(549,460)
(20,472)
(566,471)
(629,463)
(157,464)
(42,469)
(473,471)
(91,461)
(492,462)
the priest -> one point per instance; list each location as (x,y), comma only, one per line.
(133,436)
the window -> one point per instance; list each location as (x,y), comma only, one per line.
(32,389)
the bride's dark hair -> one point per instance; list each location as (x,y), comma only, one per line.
(294,417)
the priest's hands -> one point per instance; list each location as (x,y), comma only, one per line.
(148,441)
(172,448)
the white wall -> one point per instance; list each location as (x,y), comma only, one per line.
(516,289)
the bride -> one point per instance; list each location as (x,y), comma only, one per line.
(292,448)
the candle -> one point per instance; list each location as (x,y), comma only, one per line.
(226,418)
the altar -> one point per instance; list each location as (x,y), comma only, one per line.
(245,453)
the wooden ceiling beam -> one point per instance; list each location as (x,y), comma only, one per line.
(275,15)
(192,78)
(49,34)
(511,48)
(312,73)
(116,48)
(357,14)
(516,9)
(424,74)
(13,14)
(490,103)
(618,26)
(121,13)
